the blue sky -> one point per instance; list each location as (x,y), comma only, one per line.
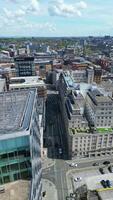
(56,17)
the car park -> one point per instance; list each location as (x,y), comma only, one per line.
(106,162)
(77,179)
(104,184)
(73,164)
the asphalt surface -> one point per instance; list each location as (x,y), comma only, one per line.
(55,140)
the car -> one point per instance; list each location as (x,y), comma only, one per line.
(60,151)
(77,179)
(73,164)
(108,183)
(110,168)
(104,184)
(106,162)
(96,164)
(44,193)
(101,171)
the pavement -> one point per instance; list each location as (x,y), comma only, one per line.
(50,188)
(47,162)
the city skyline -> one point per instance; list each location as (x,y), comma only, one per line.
(55,18)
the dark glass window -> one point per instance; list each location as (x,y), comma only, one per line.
(6,179)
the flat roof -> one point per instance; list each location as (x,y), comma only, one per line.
(98,97)
(16,190)
(41,61)
(26,82)
(103,99)
(16,110)
(78,71)
(23,58)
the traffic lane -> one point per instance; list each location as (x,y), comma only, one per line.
(57,174)
(61,183)
(87,163)
(62,137)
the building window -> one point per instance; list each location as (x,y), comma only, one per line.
(6,179)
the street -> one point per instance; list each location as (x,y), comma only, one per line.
(56,144)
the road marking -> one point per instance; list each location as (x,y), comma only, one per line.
(62,186)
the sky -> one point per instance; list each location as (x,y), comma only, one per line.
(56,18)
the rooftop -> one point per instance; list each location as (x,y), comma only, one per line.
(23,58)
(103,99)
(26,82)
(15,110)
(98,97)
(18,190)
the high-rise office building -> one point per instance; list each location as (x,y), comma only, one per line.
(24,66)
(20,139)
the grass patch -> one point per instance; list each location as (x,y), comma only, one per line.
(104,130)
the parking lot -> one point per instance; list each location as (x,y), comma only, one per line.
(83,175)
(90,176)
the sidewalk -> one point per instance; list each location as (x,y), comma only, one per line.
(47,162)
(50,188)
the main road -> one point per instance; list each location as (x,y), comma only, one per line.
(55,140)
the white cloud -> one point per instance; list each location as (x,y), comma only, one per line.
(60,8)
(33,6)
(19,14)
(40,26)
(13,14)
(81,5)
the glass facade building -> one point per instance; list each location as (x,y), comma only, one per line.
(15,161)
(20,139)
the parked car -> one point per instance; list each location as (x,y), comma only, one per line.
(104,184)
(110,168)
(44,193)
(77,179)
(101,170)
(96,164)
(106,162)
(60,151)
(73,164)
(108,183)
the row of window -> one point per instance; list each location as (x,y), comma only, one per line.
(15,154)
(23,175)
(15,167)
(101,117)
(106,104)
